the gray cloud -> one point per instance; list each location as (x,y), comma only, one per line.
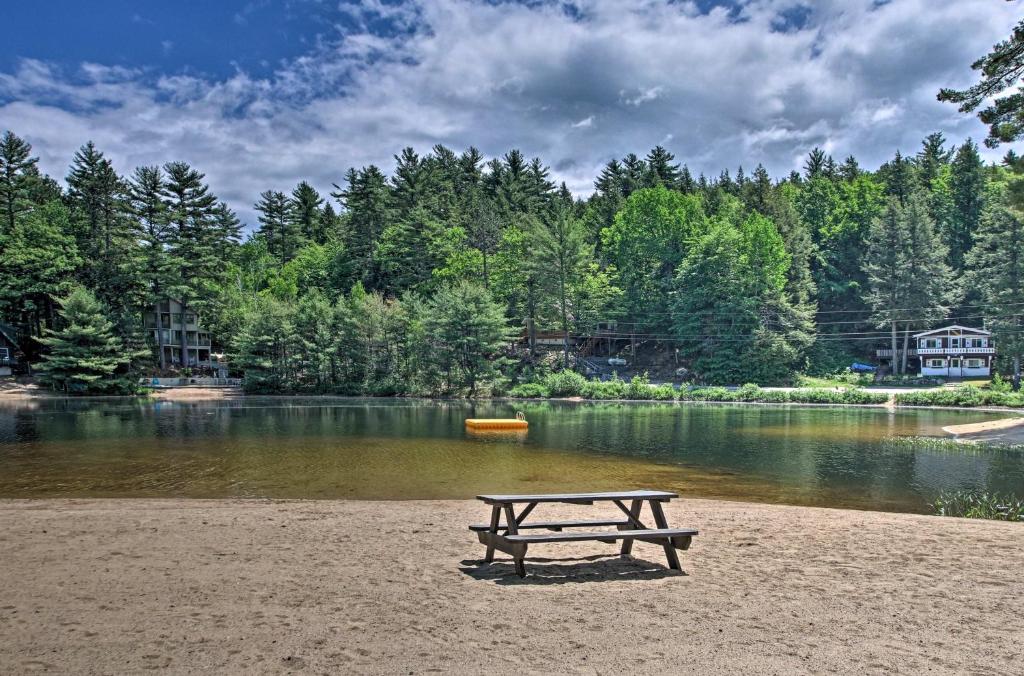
(718,89)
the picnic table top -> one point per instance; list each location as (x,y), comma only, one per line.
(575,497)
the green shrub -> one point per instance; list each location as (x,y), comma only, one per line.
(848,396)
(564,384)
(663,392)
(707,394)
(979,505)
(998,384)
(749,392)
(967,395)
(639,387)
(609,389)
(528,391)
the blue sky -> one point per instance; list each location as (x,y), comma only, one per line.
(262,94)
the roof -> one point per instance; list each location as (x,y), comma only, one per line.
(954,327)
(8,332)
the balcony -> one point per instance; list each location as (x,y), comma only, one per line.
(956,350)
(887,352)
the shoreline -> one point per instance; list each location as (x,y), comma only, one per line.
(101,586)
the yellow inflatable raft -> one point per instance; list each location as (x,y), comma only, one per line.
(517,423)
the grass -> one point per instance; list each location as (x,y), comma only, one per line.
(979,505)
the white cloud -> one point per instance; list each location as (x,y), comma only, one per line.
(718,89)
(644,96)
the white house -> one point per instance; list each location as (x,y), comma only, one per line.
(951,352)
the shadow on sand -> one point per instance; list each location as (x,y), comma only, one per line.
(596,568)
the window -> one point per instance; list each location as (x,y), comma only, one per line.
(974,364)
(954,342)
(937,363)
(5,353)
(190,318)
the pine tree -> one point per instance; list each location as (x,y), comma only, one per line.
(967,189)
(996,269)
(931,158)
(280,233)
(305,215)
(906,271)
(1001,69)
(466,330)
(37,267)
(17,170)
(898,177)
(561,252)
(146,194)
(197,243)
(85,356)
(816,164)
(366,201)
(660,170)
(850,169)
(108,235)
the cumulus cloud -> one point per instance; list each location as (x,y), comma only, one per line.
(759,81)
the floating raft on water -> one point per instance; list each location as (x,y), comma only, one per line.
(496,423)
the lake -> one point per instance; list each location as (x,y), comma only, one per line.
(278,447)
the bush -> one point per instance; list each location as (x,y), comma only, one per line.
(609,389)
(967,396)
(707,394)
(851,396)
(975,505)
(639,387)
(998,384)
(663,392)
(564,384)
(529,391)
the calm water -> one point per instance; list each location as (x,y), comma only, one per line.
(351,448)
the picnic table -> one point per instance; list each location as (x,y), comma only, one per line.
(505,537)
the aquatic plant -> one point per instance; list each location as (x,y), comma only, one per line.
(979,505)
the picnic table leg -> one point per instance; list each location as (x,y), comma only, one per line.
(661,522)
(495,517)
(511,521)
(634,512)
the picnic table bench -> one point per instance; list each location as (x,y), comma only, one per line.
(506,537)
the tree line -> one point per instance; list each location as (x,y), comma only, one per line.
(422,280)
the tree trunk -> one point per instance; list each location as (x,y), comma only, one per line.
(565,323)
(487,282)
(160,336)
(1016,373)
(906,348)
(895,352)
(184,336)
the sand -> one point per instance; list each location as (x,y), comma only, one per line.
(125,586)
(1002,431)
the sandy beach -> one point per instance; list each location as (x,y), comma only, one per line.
(125,586)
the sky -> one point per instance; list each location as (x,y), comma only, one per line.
(265,93)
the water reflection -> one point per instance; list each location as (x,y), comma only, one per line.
(395,449)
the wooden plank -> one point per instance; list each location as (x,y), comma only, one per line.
(661,522)
(495,518)
(525,513)
(659,535)
(634,521)
(582,498)
(557,525)
(499,542)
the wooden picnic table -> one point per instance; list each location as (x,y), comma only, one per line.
(506,537)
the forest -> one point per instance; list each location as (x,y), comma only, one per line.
(434,278)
